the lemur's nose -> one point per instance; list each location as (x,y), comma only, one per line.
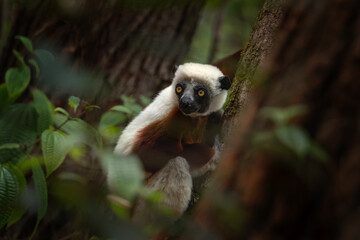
(186,105)
(186,102)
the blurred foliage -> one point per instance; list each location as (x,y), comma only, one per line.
(238,20)
(37,139)
(287,141)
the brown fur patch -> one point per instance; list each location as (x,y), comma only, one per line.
(175,135)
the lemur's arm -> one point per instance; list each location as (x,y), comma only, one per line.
(213,127)
(212,140)
(156,156)
(199,155)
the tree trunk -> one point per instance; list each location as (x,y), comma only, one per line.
(274,189)
(133,45)
(254,54)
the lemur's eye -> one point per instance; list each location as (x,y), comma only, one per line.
(201,93)
(179,89)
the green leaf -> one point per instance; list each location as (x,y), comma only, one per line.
(17,79)
(27,163)
(41,193)
(19,208)
(23,114)
(131,105)
(262,137)
(136,109)
(16,133)
(27,42)
(295,139)
(281,116)
(72,177)
(128,100)
(91,107)
(108,122)
(120,108)
(119,206)
(9,191)
(35,65)
(44,55)
(43,108)
(110,133)
(4,95)
(79,128)
(74,102)
(125,174)
(77,152)
(318,153)
(61,110)
(112,118)
(9,146)
(54,146)
(145,100)
(152,195)
(17,125)
(19,56)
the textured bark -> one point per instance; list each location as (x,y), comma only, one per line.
(257,49)
(315,62)
(133,47)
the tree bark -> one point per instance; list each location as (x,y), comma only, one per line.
(257,49)
(134,46)
(277,195)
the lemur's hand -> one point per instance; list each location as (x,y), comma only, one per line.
(213,163)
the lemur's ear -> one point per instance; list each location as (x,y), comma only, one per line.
(225,82)
(175,68)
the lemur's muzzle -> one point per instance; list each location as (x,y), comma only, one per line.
(187,105)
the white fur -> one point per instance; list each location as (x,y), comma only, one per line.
(207,74)
(158,109)
(167,100)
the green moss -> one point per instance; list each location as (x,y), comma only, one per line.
(249,61)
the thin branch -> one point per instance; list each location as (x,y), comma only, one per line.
(218,22)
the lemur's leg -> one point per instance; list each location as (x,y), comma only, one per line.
(174,180)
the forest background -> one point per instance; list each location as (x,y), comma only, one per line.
(73,74)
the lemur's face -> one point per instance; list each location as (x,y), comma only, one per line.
(194,97)
(200,88)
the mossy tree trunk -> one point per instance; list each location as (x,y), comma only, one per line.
(300,178)
(257,49)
